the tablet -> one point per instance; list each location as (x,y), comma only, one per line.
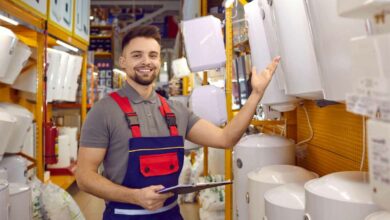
(183,189)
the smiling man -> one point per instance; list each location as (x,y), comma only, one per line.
(138,136)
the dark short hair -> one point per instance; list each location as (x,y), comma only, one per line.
(147,31)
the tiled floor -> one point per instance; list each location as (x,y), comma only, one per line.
(92,207)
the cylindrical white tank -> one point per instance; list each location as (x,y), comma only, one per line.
(4,200)
(7,122)
(285,202)
(251,152)
(263,179)
(16,167)
(339,196)
(20,200)
(23,124)
(261,57)
(379,216)
(8,41)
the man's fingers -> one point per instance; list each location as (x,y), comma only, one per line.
(272,66)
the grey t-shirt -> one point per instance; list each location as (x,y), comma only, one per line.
(106,127)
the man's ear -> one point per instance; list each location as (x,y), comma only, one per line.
(122,62)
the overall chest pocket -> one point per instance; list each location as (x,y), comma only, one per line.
(159,164)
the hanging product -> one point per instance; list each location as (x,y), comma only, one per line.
(209,103)
(59,84)
(261,57)
(16,167)
(256,151)
(73,82)
(27,81)
(51,143)
(21,55)
(7,124)
(285,202)
(53,71)
(339,196)
(266,178)
(20,202)
(8,42)
(4,199)
(180,67)
(19,131)
(204,43)
(316,58)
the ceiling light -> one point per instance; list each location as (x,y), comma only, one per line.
(72,48)
(9,20)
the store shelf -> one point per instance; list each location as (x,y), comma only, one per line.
(63,181)
(101,37)
(101,26)
(69,105)
(103,54)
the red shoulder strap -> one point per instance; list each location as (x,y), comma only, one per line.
(170,118)
(130,115)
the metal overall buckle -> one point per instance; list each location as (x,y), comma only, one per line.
(171,119)
(132,119)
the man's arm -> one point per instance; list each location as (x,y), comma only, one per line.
(207,134)
(90,181)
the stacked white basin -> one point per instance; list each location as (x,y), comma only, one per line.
(19,131)
(379,216)
(339,196)
(20,202)
(7,123)
(16,167)
(4,199)
(263,179)
(21,55)
(8,42)
(251,152)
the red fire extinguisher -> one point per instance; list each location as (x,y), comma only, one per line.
(51,143)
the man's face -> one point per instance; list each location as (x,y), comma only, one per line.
(141,60)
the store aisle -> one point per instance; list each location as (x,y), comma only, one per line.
(93,207)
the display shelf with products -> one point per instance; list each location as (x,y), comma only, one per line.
(21,85)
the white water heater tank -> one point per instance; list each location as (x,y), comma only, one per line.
(285,202)
(204,44)
(256,151)
(339,196)
(263,179)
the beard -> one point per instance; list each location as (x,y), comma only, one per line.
(144,79)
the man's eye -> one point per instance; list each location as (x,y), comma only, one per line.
(137,56)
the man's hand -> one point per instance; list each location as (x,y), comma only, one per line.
(260,81)
(149,199)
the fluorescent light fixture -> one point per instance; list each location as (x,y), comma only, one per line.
(91,17)
(72,48)
(121,72)
(228,3)
(9,20)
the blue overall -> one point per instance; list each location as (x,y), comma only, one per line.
(152,161)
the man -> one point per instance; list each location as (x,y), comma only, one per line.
(138,136)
